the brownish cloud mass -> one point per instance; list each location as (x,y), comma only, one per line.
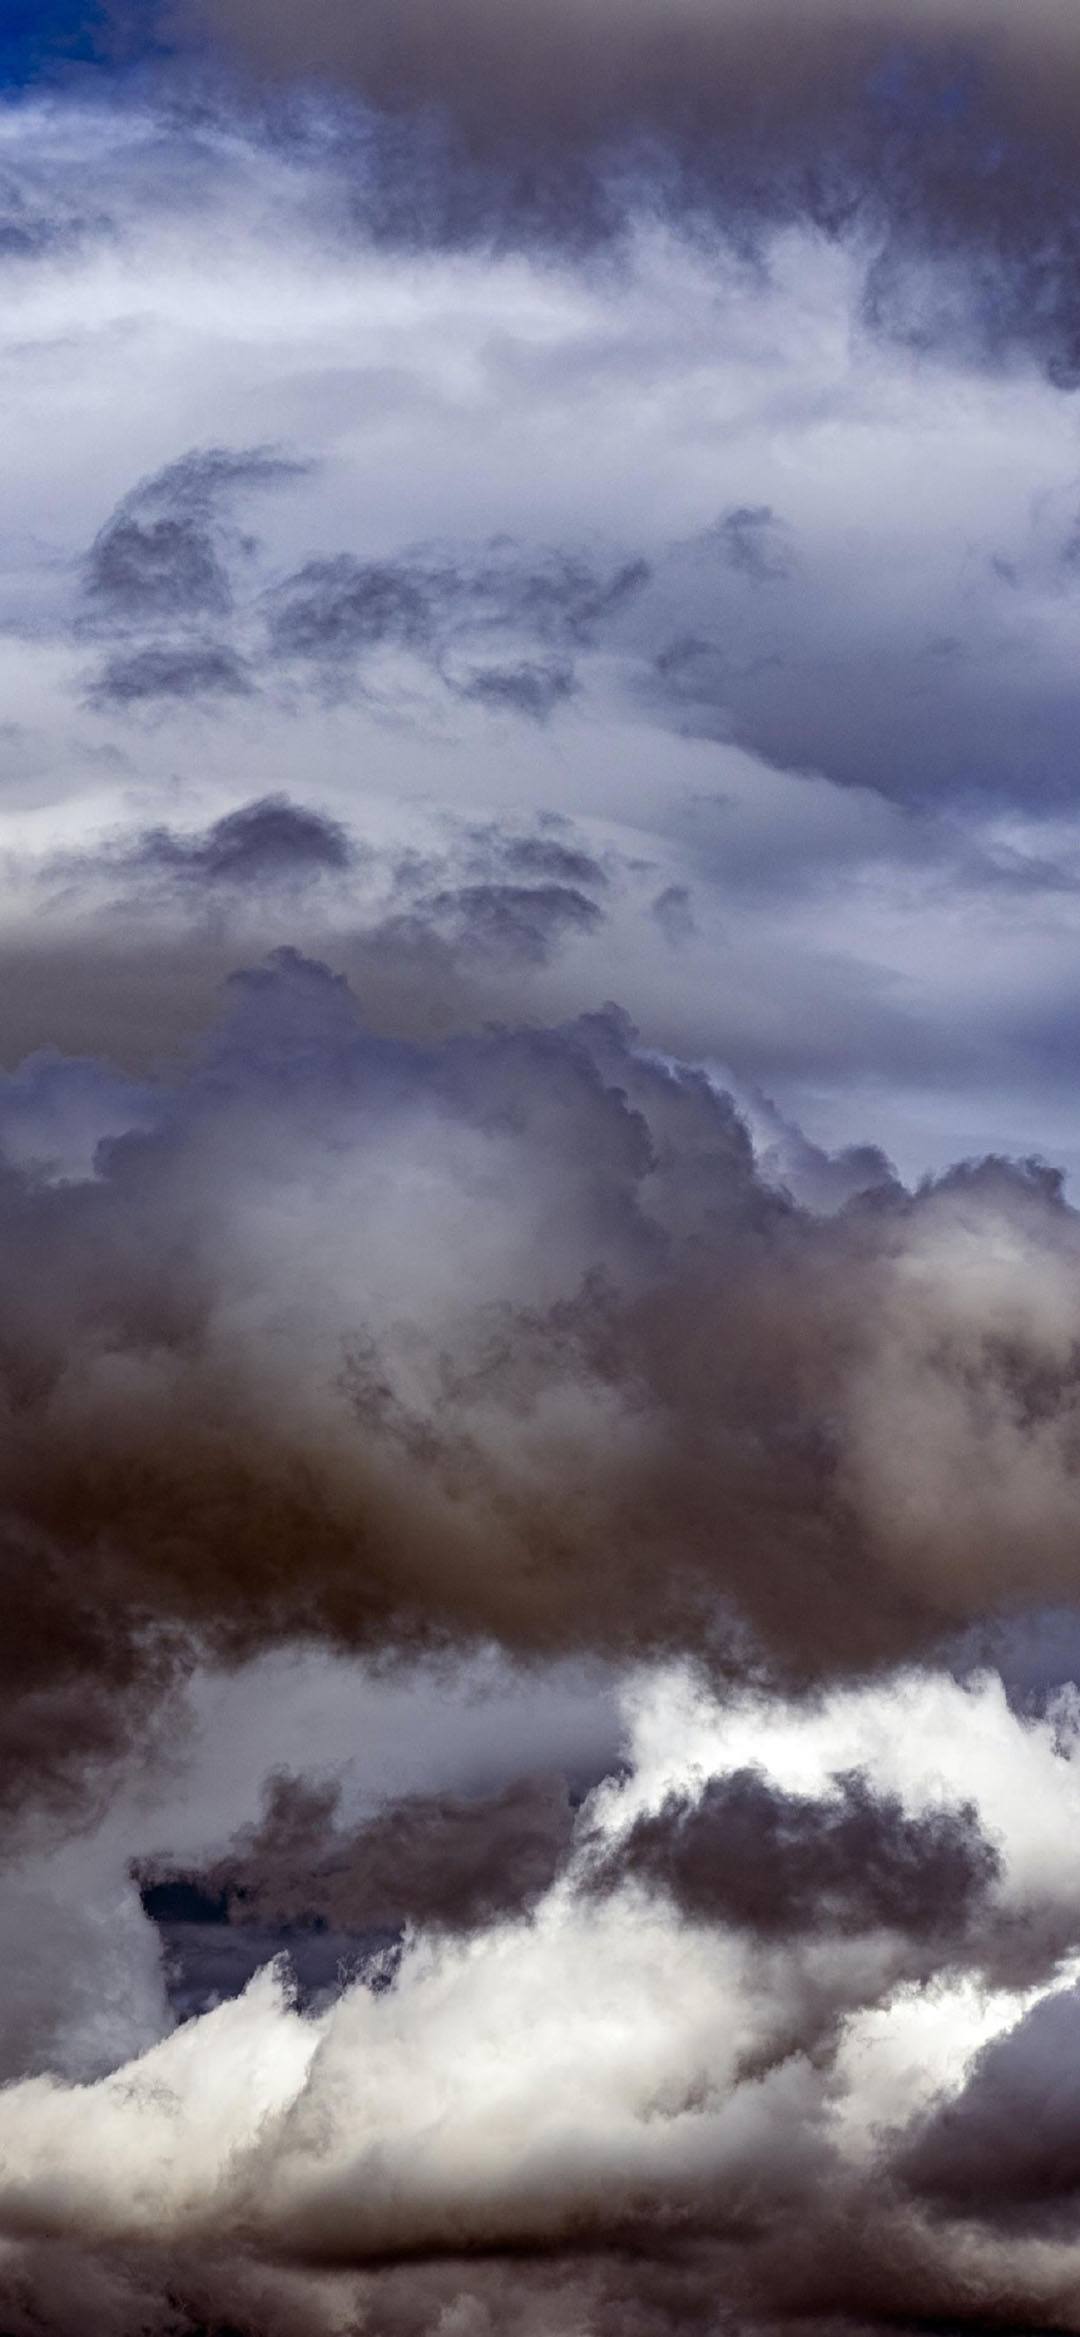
(641,1404)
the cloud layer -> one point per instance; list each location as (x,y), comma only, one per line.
(539,1260)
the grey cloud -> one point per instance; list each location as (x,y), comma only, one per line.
(707,646)
(938,137)
(159,575)
(547,858)
(164,552)
(516,921)
(559,595)
(1006,2151)
(817,690)
(531,689)
(271,841)
(674,914)
(338,608)
(174,670)
(37,220)
(753,543)
(779,1864)
(164,566)
(475,616)
(972,700)
(56,1110)
(481,893)
(728,1481)
(440,1861)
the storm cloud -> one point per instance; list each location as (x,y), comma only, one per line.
(782,1864)
(942,134)
(586,1381)
(440,1861)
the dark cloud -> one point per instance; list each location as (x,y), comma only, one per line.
(573,75)
(532,689)
(338,608)
(407,1348)
(164,553)
(939,137)
(653,1409)
(164,566)
(78,1680)
(505,920)
(159,576)
(271,841)
(209,1957)
(546,858)
(752,541)
(183,669)
(779,1864)
(373,1323)
(444,1862)
(475,616)
(1006,2151)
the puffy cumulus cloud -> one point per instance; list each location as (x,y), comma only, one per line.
(614,2106)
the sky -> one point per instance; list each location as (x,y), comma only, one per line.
(539,1168)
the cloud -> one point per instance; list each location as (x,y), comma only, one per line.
(1005,2150)
(440,1861)
(550,858)
(604,2110)
(399,1346)
(538,1768)
(531,689)
(162,565)
(674,914)
(163,553)
(752,543)
(466,612)
(506,920)
(938,136)
(339,607)
(780,1864)
(266,843)
(185,670)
